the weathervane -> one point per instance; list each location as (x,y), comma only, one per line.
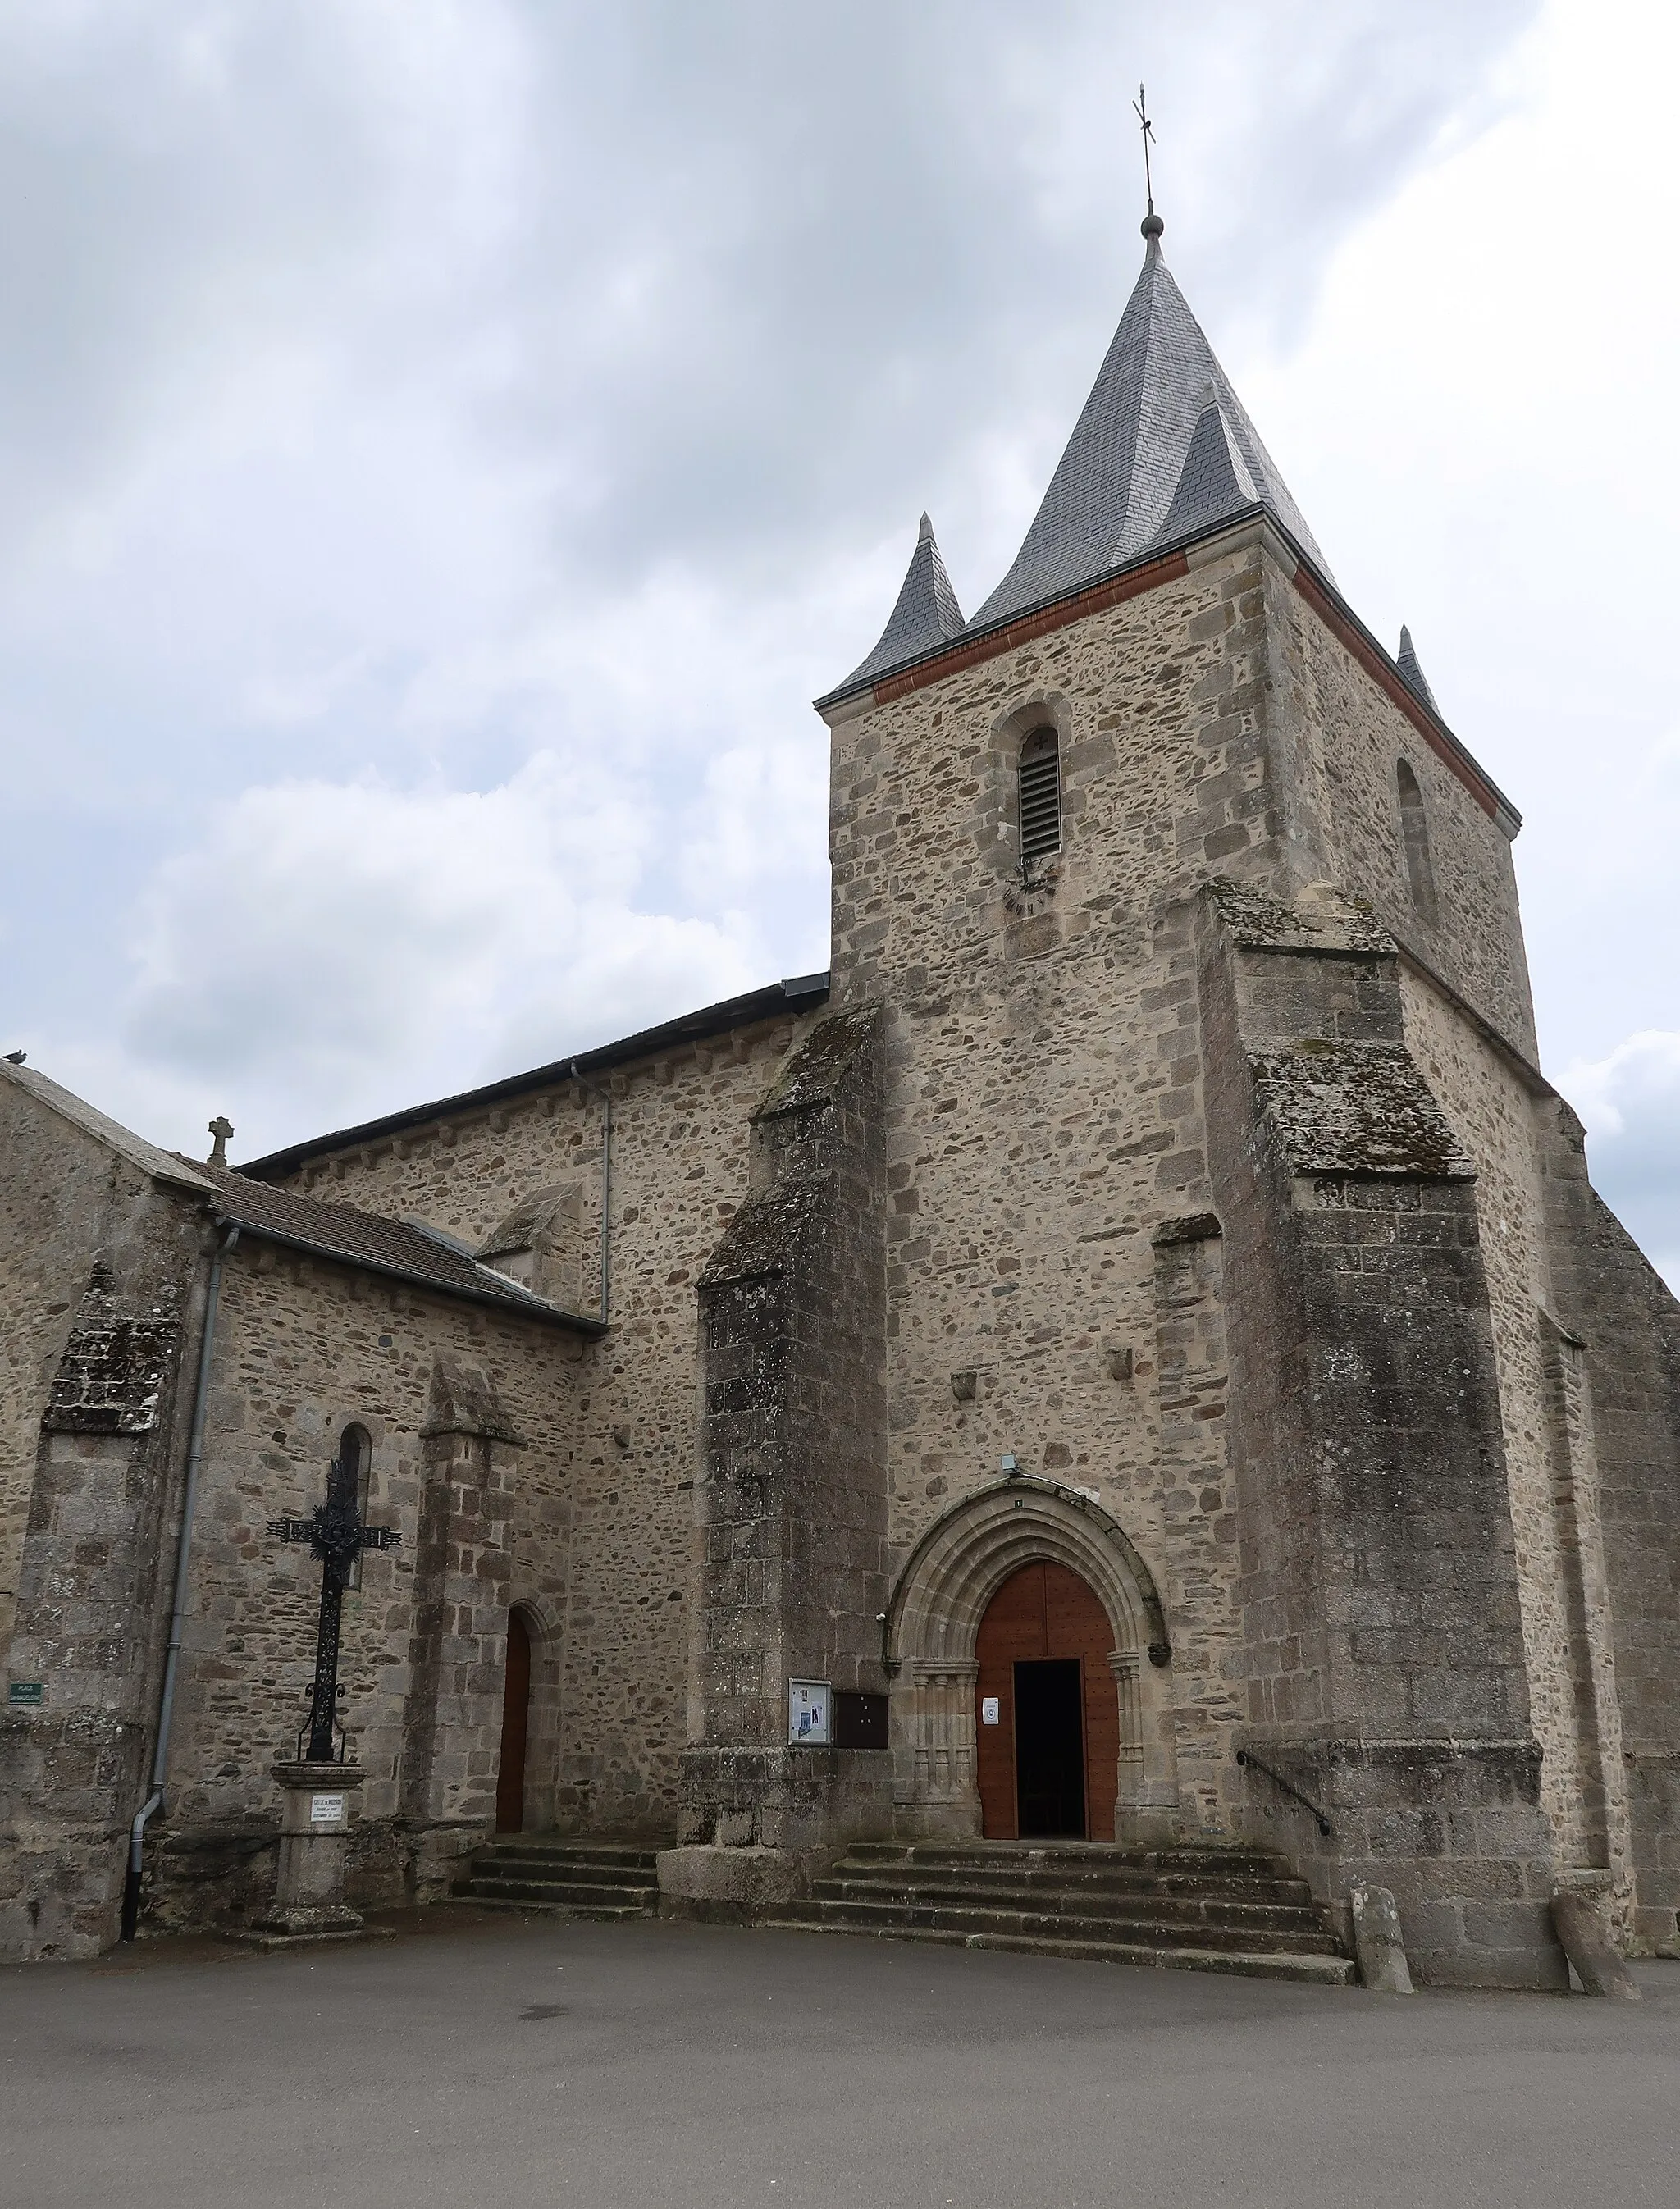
(1140,109)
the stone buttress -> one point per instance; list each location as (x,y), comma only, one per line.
(790,1497)
(1383,1627)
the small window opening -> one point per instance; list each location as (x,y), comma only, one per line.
(1415,842)
(1040,776)
(355,1458)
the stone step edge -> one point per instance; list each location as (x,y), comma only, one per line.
(1306,1969)
(1101,1931)
(1259,1862)
(1298,1895)
(624,1897)
(572,1874)
(605,1913)
(1156,1910)
(555,1854)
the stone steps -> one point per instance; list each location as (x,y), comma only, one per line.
(1309,1970)
(1272,1924)
(1236,1910)
(574,1878)
(1189,1888)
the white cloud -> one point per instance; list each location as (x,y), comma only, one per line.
(448,442)
(1629,1103)
(351,942)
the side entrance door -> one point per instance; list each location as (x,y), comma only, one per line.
(515,1717)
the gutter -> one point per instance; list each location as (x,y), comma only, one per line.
(605,1096)
(551,1315)
(796,995)
(172,1662)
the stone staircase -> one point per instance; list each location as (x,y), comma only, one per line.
(574,1879)
(1185,1909)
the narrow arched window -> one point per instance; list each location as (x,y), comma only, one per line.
(355,1460)
(1415,841)
(1040,774)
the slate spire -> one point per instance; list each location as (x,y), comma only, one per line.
(927,614)
(1163,447)
(1412,673)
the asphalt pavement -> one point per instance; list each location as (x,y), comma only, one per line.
(496,2063)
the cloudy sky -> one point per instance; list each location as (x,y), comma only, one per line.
(446,445)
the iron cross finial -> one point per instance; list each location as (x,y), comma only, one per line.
(1140,109)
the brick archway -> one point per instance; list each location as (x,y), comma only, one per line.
(932,1629)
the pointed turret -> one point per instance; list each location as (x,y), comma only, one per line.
(927,614)
(1412,673)
(1164,447)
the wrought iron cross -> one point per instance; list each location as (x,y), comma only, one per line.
(1140,109)
(335,1534)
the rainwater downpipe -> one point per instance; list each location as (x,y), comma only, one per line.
(178,1609)
(605,1096)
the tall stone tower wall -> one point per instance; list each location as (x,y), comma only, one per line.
(1048,1070)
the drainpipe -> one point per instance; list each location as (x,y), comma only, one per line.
(605,1096)
(172,1656)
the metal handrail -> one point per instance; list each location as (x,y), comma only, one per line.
(1247,1756)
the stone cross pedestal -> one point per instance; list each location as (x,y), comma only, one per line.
(309,1901)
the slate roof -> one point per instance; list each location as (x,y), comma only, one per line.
(927,614)
(801,993)
(1412,673)
(379,1245)
(1164,446)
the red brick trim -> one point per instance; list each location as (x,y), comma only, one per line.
(1168,569)
(998,641)
(1390,685)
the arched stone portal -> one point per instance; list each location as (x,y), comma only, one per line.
(932,1628)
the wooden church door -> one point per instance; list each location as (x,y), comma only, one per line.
(1048,1709)
(515,1717)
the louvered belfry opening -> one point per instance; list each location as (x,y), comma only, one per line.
(1040,795)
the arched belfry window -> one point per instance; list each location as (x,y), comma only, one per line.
(1039,775)
(1415,841)
(355,1456)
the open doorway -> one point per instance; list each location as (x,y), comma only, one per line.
(1048,1733)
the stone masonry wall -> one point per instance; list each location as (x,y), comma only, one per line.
(617,1639)
(1627,1323)
(303,1348)
(790,1511)
(1043,1082)
(1346,736)
(1493,1104)
(1380,1595)
(64,1199)
(102,1282)
(1045,1066)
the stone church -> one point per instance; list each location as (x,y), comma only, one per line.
(1130,1361)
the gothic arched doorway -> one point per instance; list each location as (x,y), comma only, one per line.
(1049,1718)
(932,1633)
(515,1725)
